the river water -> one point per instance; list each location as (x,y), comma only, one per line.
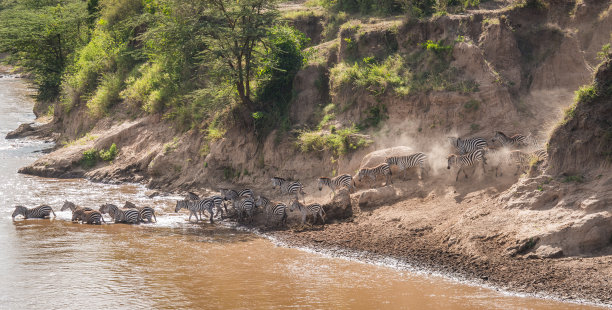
(173,264)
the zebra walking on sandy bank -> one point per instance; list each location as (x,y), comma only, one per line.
(373,173)
(88,217)
(315,209)
(469,159)
(129,216)
(39,212)
(516,140)
(289,187)
(405,162)
(272,211)
(344,180)
(195,206)
(464,146)
(145,213)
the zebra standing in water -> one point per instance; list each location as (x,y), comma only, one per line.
(405,162)
(345,180)
(145,213)
(373,173)
(469,159)
(315,209)
(130,216)
(244,205)
(219,203)
(195,206)
(289,187)
(516,140)
(469,145)
(272,210)
(39,212)
(69,205)
(88,217)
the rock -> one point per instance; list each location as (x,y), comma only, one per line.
(151,194)
(23,130)
(546,251)
(376,197)
(340,207)
(378,157)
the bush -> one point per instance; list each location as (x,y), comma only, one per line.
(106,95)
(585,93)
(109,154)
(90,158)
(339,142)
(374,77)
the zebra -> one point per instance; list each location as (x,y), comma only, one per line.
(469,145)
(120,216)
(516,140)
(272,210)
(315,209)
(247,192)
(39,212)
(540,154)
(244,205)
(219,203)
(69,205)
(373,173)
(468,159)
(195,206)
(145,213)
(345,180)
(89,217)
(229,194)
(289,187)
(192,196)
(405,162)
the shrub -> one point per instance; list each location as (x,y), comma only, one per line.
(339,142)
(375,77)
(90,158)
(110,154)
(585,93)
(573,178)
(106,95)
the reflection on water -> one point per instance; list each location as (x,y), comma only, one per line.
(55,264)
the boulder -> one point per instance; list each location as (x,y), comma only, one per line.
(378,157)
(376,197)
(340,206)
(23,130)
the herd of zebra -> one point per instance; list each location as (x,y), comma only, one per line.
(469,152)
(130,213)
(245,204)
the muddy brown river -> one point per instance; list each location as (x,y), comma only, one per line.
(56,264)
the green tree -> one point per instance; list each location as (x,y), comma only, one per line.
(233,31)
(41,36)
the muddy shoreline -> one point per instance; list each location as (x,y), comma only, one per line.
(568,279)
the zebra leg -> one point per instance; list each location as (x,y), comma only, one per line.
(155,217)
(53,213)
(458,172)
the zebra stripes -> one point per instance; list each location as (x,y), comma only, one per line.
(244,205)
(130,216)
(276,212)
(405,162)
(315,209)
(247,192)
(195,206)
(469,159)
(373,173)
(345,180)
(69,205)
(229,194)
(145,213)
(39,212)
(469,145)
(516,140)
(88,217)
(289,187)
